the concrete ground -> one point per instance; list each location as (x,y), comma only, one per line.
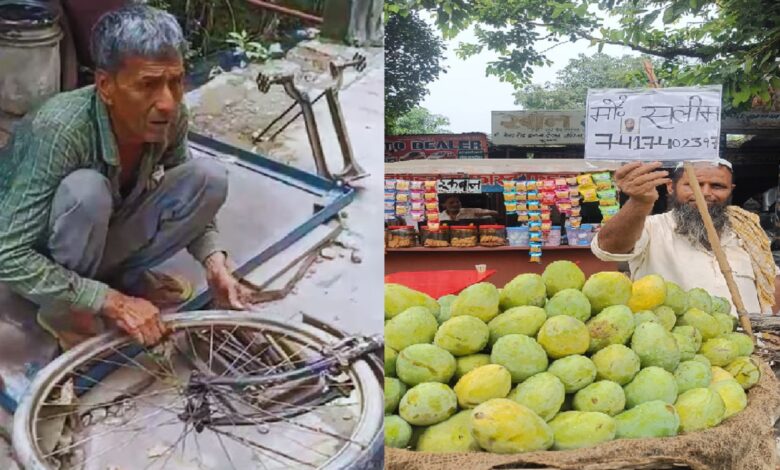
(230,108)
(344,286)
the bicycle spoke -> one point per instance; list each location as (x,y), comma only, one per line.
(152,414)
(161,398)
(260,446)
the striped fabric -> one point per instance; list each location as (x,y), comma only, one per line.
(69,132)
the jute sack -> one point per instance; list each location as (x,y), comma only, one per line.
(744,441)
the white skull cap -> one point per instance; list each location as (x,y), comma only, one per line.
(721,162)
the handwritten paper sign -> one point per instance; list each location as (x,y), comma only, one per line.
(671,124)
(459,186)
(537,127)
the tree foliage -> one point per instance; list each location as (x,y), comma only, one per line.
(420,121)
(571,85)
(413,55)
(731,42)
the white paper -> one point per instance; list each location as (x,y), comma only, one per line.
(665,124)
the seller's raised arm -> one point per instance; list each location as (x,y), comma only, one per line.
(639,182)
(674,244)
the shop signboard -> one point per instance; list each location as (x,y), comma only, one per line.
(537,127)
(459,186)
(664,124)
(435,146)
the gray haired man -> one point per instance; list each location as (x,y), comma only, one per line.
(98,188)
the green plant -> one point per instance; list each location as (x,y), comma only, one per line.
(243,43)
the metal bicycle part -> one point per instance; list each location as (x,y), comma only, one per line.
(351,170)
(287,81)
(238,423)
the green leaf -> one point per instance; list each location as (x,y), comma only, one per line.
(748,64)
(775,82)
(601,46)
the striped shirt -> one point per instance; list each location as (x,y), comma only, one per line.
(70,131)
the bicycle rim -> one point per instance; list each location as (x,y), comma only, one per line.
(365,414)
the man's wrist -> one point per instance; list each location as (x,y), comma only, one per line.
(216,262)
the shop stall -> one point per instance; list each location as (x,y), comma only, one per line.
(538,211)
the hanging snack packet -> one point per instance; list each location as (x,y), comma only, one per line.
(522,216)
(402,185)
(431,197)
(535,258)
(431,206)
(520,186)
(560,182)
(534,216)
(530,185)
(430,186)
(389,205)
(418,206)
(433,216)
(562,193)
(522,206)
(402,197)
(521,196)
(510,196)
(546,214)
(509,186)
(574,211)
(572,181)
(589,194)
(607,194)
(585,180)
(389,184)
(400,209)
(603,180)
(548,185)
(548,198)
(575,222)
(533,195)
(510,207)
(546,226)
(416,186)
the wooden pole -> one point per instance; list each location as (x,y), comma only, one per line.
(723,263)
(712,234)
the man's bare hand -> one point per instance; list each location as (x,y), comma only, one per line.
(639,180)
(225,288)
(137,317)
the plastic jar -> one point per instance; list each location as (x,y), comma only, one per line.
(492,235)
(463,235)
(554,236)
(517,236)
(401,236)
(435,238)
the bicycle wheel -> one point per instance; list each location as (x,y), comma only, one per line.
(111,404)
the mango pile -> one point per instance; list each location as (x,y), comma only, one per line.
(558,361)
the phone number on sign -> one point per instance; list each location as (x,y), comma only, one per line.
(647,142)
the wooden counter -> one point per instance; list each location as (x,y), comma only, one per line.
(508,261)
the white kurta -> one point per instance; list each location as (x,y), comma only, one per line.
(662,251)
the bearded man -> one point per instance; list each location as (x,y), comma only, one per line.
(675,245)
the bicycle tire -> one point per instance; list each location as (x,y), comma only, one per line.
(368,428)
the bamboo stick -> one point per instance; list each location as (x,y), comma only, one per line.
(712,234)
(717,249)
